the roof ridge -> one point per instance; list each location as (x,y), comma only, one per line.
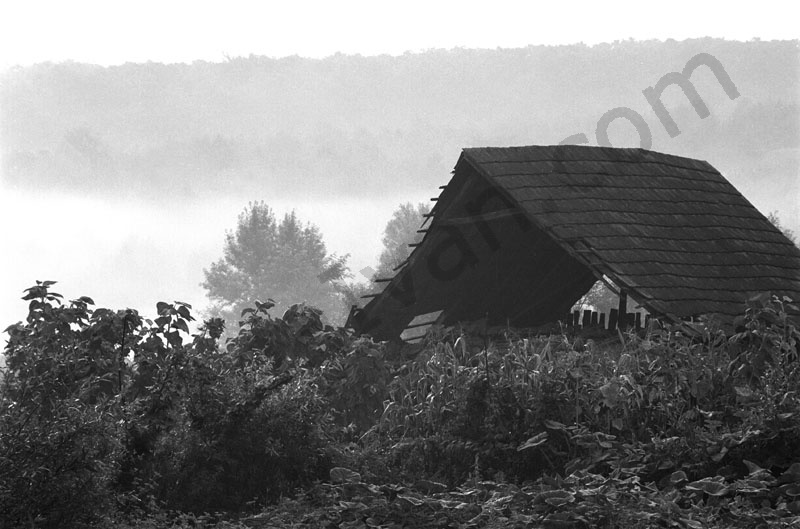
(636,151)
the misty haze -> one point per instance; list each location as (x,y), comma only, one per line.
(120,182)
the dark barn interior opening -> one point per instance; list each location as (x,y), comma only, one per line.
(519,234)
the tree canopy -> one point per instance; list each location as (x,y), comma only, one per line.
(285,261)
(776,221)
(400,231)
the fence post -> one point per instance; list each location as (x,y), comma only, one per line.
(612,319)
(602,321)
(622,317)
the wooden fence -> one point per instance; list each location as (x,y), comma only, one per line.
(589,318)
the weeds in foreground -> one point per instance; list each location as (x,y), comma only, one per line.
(678,427)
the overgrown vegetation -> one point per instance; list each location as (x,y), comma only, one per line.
(110,419)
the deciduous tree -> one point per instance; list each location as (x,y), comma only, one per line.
(401,230)
(776,221)
(265,259)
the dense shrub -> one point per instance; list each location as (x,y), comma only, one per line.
(247,456)
(245,424)
(459,411)
(105,409)
(59,438)
(355,384)
(105,415)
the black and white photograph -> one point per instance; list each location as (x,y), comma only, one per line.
(455,265)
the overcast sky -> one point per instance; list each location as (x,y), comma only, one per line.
(103,32)
(110,33)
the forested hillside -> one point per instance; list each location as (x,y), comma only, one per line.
(352,125)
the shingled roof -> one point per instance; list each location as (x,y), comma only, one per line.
(520,233)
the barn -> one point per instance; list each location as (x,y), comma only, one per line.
(519,234)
